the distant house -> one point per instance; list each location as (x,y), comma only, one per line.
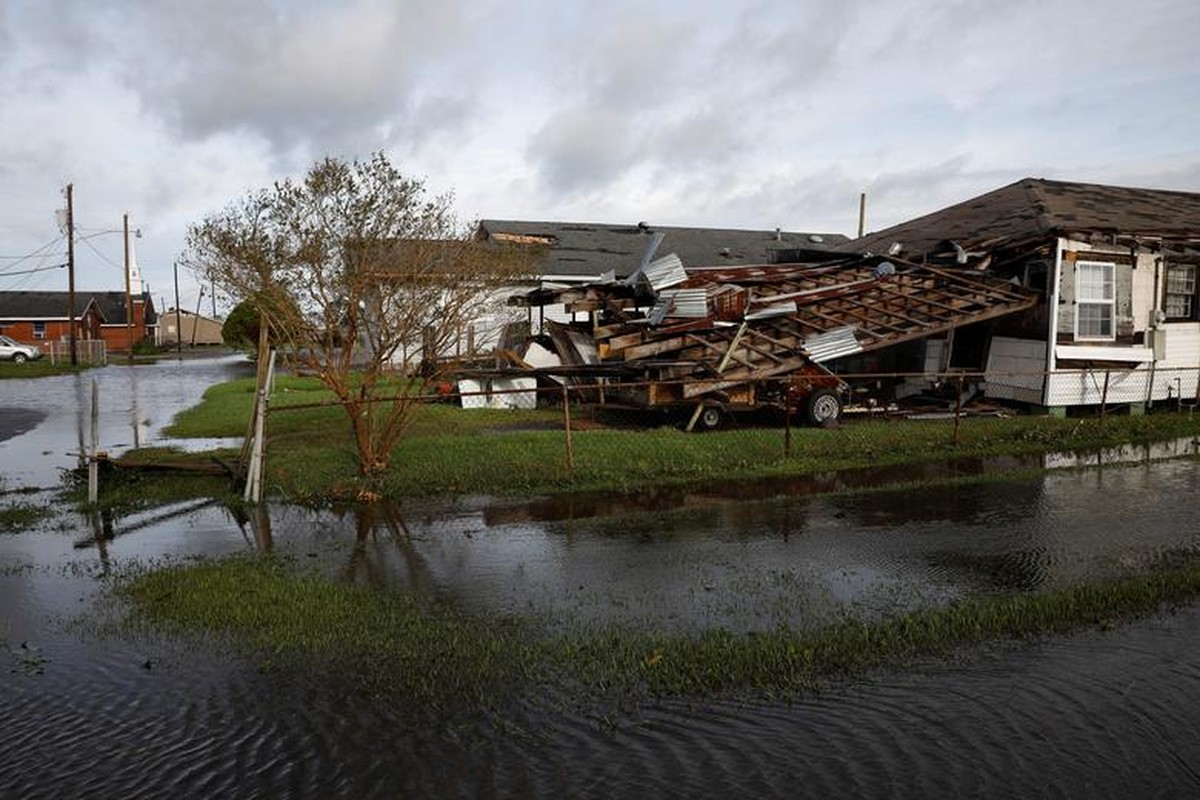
(42,318)
(1116,269)
(188,328)
(583,252)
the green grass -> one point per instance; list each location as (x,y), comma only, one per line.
(439,658)
(311,458)
(535,462)
(38,369)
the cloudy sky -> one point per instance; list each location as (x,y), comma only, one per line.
(711,113)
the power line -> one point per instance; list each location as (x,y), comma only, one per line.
(35,269)
(103,257)
(41,251)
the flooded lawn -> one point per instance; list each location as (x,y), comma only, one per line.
(1098,714)
(1108,711)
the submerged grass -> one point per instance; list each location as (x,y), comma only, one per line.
(439,658)
(126,491)
(16,517)
(435,657)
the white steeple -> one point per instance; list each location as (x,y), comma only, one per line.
(135,274)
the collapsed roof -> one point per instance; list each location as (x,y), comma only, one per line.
(719,327)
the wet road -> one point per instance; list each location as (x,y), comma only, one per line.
(45,423)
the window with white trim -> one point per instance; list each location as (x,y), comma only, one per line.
(1095,300)
(39,330)
(1179,299)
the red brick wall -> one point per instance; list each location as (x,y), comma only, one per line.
(87,327)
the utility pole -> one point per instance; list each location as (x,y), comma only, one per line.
(128,294)
(213,292)
(71,272)
(196,319)
(178,323)
(862,213)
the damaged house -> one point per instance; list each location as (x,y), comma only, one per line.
(1117,319)
(1058,294)
(566,254)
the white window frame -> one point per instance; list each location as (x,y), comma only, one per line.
(1100,294)
(1179,292)
(39,330)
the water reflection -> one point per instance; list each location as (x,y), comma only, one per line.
(1096,714)
(742,565)
(136,403)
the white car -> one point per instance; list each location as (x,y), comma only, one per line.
(12,350)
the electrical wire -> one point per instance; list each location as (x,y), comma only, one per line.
(41,251)
(103,257)
(30,271)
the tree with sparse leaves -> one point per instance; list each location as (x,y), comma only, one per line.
(349,268)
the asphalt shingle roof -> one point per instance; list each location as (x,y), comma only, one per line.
(1033,208)
(53,305)
(583,249)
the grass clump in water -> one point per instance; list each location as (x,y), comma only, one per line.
(19,516)
(427,654)
(442,660)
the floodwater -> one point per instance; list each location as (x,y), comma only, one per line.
(1097,714)
(46,423)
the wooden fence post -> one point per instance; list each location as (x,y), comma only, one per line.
(253,492)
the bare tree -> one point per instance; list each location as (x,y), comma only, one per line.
(349,268)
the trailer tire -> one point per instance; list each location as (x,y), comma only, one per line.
(711,418)
(823,407)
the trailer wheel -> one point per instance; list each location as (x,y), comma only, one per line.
(711,418)
(823,406)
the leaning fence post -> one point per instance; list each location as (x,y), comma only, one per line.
(253,492)
(93,463)
(566,400)
(1104,396)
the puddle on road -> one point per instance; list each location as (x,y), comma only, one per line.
(135,404)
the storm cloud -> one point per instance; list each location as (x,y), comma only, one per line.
(760,114)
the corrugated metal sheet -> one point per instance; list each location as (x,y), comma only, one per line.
(778,310)
(665,272)
(832,344)
(687,303)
